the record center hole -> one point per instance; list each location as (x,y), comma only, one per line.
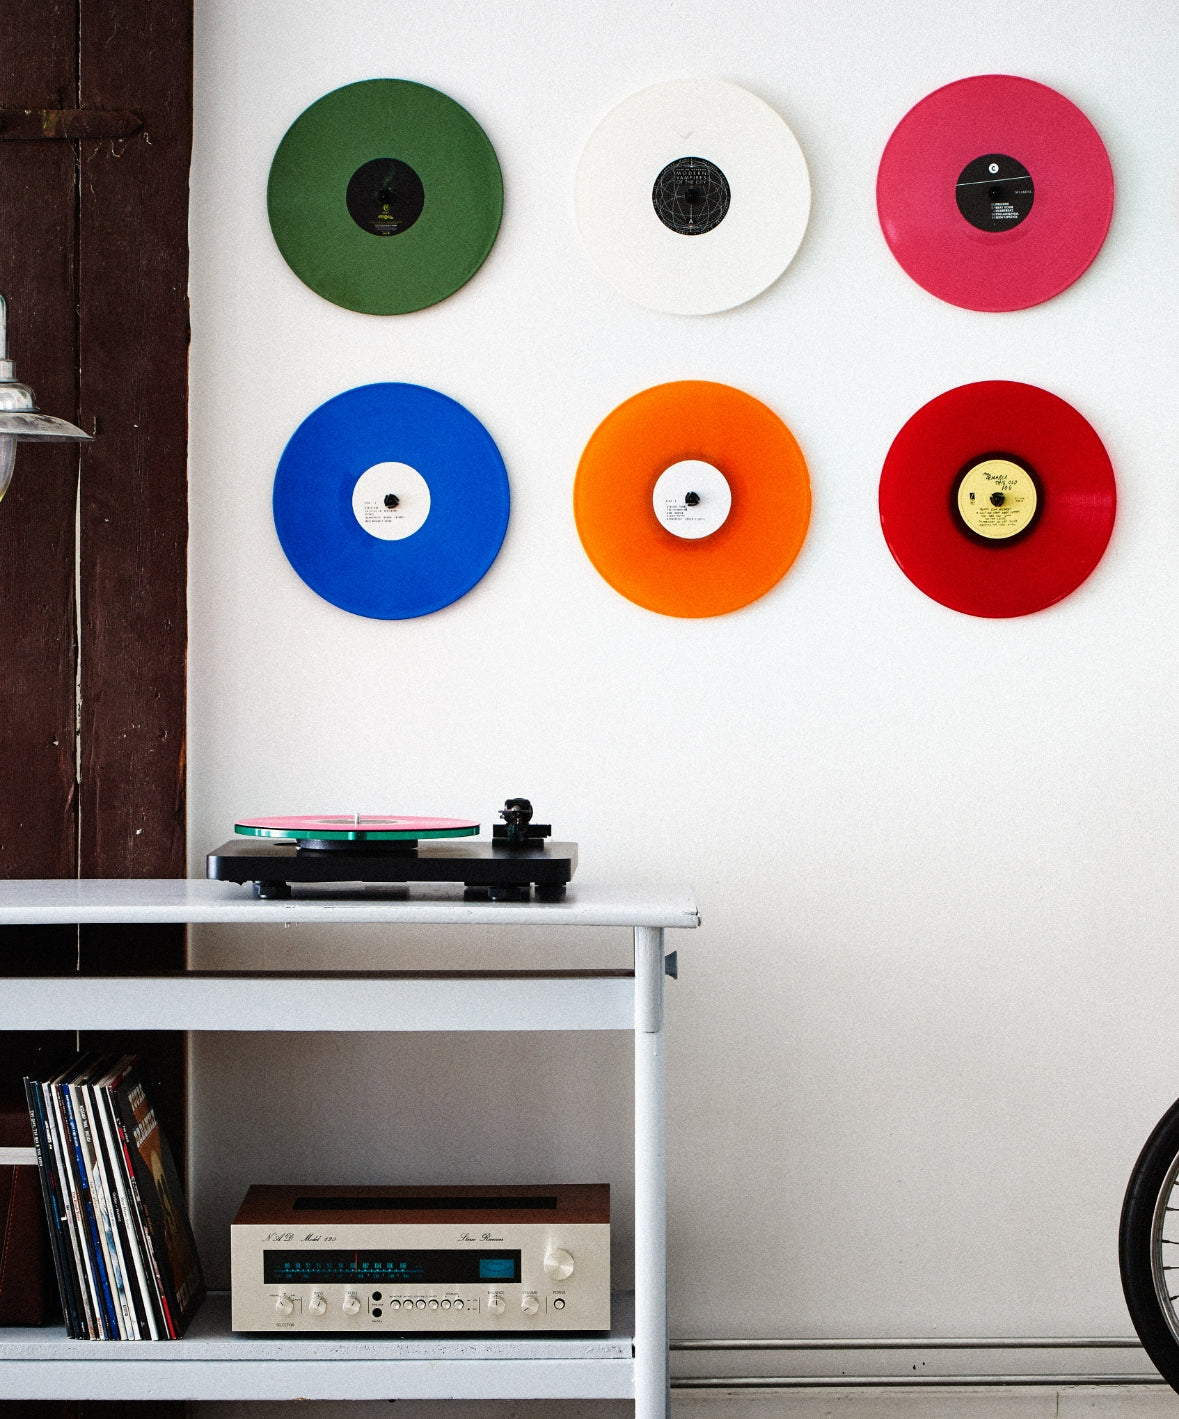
(998,499)
(392,500)
(692,499)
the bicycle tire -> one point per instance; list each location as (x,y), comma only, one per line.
(1150,1279)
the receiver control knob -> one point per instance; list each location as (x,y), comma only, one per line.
(351,1303)
(558,1264)
(317,1305)
(495,1304)
(284,1304)
(529,1305)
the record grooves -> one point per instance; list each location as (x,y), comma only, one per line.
(1043,507)
(692,499)
(385,196)
(391,501)
(995,193)
(692,196)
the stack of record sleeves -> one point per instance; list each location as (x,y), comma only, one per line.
(123,1249)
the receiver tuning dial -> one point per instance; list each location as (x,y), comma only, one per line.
(558,1264)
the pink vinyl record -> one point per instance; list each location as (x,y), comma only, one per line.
(356,827)
(995,193)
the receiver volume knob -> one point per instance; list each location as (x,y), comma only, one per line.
(558,1264)
(529,1305)
(351,1303)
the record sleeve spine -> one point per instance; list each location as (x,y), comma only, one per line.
(54,1214)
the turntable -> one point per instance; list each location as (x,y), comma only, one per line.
(275,853)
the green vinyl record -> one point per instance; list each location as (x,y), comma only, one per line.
(385,196)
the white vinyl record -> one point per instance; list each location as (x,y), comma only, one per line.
(692,196)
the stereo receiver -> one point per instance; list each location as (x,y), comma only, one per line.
(443,1259)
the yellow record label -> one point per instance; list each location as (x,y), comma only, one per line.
(997,499)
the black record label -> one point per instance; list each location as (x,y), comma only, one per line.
(994,192)
(691,196)
(385,196)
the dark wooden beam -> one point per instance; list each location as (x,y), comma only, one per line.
(95,96)
(26,125)
(38,274)
(133,333)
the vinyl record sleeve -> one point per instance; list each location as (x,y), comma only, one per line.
(759,459)
(747,168)
(995,193)
(405,438)
(955,433)
(385,196)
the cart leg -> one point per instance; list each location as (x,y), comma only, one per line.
(651,1370)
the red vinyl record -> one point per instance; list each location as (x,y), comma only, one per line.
(997,499)
(995,193)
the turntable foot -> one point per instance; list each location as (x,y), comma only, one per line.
(271,890)
(509,891)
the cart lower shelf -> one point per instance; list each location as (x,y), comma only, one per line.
(213,1363)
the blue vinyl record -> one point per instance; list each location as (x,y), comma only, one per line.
(391,501)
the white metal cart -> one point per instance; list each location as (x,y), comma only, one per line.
(211,1362)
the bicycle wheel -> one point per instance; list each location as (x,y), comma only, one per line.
(1148,1246)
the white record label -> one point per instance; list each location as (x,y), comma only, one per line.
(391,501)
(692,196)
(692,499)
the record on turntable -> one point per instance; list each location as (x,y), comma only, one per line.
(334,849)
(385,196)
(997,499)
(692,498)
(995,193)
(391,501)
(692,196)
(355,828)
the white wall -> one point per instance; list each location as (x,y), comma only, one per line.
(929,1019)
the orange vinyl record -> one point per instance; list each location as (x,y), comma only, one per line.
(692,499)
